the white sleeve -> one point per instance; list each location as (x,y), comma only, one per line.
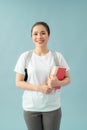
(20,66)
(62,61)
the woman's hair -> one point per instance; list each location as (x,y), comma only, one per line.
(41,23)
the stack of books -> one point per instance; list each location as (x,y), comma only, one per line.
(59,72)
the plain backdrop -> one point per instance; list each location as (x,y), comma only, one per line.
(68,24)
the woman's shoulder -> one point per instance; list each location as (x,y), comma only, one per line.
(24,54)
(57,53)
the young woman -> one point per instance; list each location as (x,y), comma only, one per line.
(41,101)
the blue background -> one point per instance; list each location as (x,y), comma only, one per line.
(68,23)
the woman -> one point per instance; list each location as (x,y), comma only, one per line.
(41,101)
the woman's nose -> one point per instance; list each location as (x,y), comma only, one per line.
(39,35)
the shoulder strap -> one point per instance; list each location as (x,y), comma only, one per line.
(28,57)
(55,58)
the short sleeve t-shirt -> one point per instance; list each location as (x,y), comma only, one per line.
(39,68)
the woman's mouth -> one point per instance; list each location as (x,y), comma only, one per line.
(40,41)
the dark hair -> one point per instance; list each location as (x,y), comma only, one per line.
(41,23)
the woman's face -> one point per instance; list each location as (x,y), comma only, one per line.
(40,36)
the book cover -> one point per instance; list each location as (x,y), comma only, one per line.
(60,75)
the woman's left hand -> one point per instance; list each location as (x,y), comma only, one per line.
(52,80)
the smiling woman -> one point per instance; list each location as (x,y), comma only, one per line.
(40,34)
(41,101)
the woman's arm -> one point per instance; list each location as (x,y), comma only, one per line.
(52,82)
(66,79)
(20,83)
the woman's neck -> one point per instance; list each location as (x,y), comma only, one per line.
(41,51)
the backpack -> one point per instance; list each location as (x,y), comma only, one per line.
(28,57)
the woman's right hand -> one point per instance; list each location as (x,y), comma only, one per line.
(46,89)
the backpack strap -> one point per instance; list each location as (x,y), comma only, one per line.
(28,57)
(55,57)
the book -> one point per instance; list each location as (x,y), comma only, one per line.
(59,72)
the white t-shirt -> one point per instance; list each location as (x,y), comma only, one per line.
(39,68)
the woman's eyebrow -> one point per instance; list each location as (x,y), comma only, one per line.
(39,32)
(43,31)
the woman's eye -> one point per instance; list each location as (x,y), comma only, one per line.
(35,34)
(43,33)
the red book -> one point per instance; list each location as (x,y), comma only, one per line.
(60,75)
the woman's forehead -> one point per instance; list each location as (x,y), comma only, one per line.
(39,28)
